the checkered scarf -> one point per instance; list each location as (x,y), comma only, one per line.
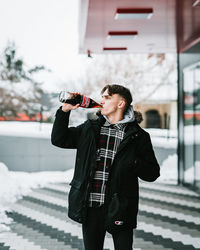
(110,138)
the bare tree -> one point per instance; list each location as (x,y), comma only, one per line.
(143,74)
(19,91)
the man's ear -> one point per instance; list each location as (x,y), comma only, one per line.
(122,104)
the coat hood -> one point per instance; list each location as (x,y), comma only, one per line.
(128,117)
(138,116)
(131,115)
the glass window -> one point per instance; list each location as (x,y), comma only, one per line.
(192,124)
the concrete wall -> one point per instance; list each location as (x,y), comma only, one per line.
(163,153)
(34,154)
(38,154)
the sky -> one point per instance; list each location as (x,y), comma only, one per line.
(45,33)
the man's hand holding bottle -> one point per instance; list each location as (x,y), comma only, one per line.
(66,107)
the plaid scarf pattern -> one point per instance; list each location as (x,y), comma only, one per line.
(110,138)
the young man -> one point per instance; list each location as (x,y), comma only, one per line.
(112,152)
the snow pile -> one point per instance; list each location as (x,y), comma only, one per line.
(192,173)
(13,185)
(26,129)
(169,170)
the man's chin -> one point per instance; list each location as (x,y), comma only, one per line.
(103,112)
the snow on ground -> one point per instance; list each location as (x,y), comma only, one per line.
(160,137)
(13,185)
(169,170)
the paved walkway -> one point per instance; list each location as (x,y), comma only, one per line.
(169,219)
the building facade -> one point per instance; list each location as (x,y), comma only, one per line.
(188,56)
(155,26)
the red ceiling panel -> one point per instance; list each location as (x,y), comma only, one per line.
(156,34)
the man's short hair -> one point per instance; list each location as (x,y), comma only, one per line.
(120,90)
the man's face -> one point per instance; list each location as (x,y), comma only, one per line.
(110,103)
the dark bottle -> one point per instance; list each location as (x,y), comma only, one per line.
(73,98)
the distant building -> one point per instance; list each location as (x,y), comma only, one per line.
(160,110)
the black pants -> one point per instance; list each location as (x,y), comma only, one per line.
(94,232)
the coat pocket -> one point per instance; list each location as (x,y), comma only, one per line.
(116,218)
(75,199)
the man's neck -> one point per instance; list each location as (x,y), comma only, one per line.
(115,118)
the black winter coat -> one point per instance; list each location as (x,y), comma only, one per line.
(134,158)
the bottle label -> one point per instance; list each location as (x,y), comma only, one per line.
(85,102)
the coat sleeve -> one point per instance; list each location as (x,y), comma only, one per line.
(63,136)
(146,165)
